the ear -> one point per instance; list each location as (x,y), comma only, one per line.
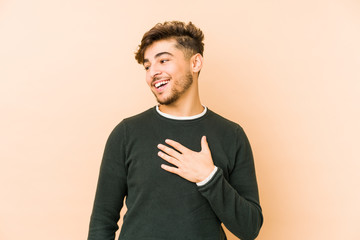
(196,62)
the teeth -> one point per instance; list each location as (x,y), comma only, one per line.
(159,84)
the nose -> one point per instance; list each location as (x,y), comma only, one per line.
(154,72)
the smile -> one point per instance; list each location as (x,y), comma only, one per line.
(161,83)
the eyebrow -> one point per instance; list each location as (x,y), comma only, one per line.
(158,55)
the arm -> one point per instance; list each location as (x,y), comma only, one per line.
(111,188)
(236,202)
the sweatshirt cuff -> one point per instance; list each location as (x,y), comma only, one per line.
(206,180)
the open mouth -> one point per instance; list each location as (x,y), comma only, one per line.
(161,84)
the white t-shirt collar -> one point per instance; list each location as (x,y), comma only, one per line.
(181,118)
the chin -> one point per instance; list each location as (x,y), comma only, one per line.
(166,102)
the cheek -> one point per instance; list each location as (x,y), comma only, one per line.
(180,70)
(148,79)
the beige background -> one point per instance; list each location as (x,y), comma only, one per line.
(287,71)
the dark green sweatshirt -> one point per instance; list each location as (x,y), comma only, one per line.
(162,205)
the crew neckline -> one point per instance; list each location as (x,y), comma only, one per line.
(169,116)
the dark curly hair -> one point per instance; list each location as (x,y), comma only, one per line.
(189,38)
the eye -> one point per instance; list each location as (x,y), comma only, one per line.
(164,60)
(147,68)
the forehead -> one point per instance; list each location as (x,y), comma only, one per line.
(161,46)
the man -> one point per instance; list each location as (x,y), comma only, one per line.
(183,169)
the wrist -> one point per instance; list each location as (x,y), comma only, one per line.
(208,178)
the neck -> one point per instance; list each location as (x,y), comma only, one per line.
(181,110)
(188,105)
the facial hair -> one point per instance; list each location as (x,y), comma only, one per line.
(178,89)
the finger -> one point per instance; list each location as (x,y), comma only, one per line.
(170,169)
(204,145)
(176,145)
(169,151)
(169,159)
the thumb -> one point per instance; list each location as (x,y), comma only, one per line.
(204,145)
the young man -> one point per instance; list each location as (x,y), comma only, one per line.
(183,169)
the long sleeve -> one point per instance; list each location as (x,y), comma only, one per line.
(236,201)
(111,188)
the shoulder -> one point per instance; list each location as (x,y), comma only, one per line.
(140,117)
(135,120)
(221,121)
(226,128)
